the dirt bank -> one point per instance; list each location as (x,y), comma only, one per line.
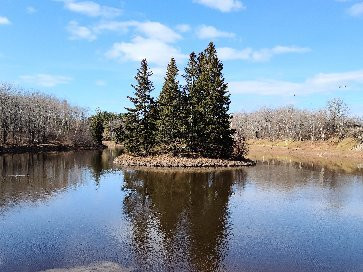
(169,162)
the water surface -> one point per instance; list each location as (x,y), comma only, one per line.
(65,210)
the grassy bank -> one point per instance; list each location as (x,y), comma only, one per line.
(320,148)
(344,154)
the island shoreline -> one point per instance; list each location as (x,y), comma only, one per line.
(166,161)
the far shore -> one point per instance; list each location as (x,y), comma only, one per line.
(346,154)
(13,149)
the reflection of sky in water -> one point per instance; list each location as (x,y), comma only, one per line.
(72,210)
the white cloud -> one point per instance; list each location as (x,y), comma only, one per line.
(333,79)
(31,10)
(316,84)
(356,9)
(222,5)
(155,51)
(210,32)
(152,40)
(45,80)
(227,53)
(156,30)
(183,28)
(4,21)
(118,26)
(100,83)
(78,32)
(158,72)
(91,9)
(152,30)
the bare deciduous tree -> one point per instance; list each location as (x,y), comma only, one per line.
(33,118)
(289,123)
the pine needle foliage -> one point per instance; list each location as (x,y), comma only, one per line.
(170,123)
(192,120)
(140,120)
(218,135)
(194,104)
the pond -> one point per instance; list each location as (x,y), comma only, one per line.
(75,209)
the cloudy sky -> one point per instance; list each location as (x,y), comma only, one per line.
(275,52)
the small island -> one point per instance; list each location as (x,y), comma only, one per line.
(186,126)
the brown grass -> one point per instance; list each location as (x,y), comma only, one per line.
(334,153)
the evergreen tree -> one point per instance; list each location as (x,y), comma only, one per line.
(193,100)
(218,135)
(171,125)
(195,116)
(139,123)
(97,127)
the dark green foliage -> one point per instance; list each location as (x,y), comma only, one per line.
(194,99)
(118,129)
(171,121)
(113,124)
(209,129)
(192,120)
(217,140)
(97,127)
(139,123)
(106,126)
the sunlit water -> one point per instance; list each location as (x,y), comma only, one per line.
(74,209)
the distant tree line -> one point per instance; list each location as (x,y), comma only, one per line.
(30,118)
(188,120)
(291,123)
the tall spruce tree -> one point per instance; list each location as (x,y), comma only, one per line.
(140,120)
(194,99)
(218,135)
(171,121)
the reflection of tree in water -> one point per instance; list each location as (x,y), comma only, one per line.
(288,176)
(33,177)
(101,162)
(179,219)
(37,176)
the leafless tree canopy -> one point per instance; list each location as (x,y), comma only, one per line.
(28,118)
(289,123)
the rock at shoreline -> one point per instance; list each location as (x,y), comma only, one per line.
(182,162)
(101,267)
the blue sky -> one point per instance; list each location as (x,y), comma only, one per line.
(275,52)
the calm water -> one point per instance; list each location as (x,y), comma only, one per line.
(73,209)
